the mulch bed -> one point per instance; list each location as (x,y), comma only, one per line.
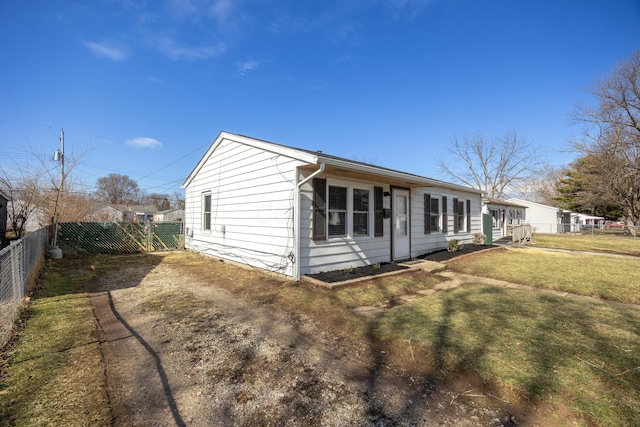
(356,273)
(371,270)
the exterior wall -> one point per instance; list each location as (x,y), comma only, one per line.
(337,253)
(343,252)
(422,243)
(542,218)
(252,194)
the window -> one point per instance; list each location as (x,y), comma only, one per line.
(206,211)
(346,211)
(432,214)
(495,215)
(337,211)
(458,215)
(360,212)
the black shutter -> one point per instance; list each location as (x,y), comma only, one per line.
(468,216)
(445,217)
(378,215)
(427,213)
(455,214)
(319,209)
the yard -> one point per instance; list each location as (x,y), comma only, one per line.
(217,344)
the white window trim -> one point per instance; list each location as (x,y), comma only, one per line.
(440,211)
(203,195)
(350,186)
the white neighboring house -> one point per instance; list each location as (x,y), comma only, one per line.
(589,221)
(169,215)
(504,216)
(107,212)
(548,219)
(300,212)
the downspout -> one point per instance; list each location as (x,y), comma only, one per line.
(296,220)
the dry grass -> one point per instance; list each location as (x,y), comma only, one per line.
(530,348)
(534,347)
(55,373)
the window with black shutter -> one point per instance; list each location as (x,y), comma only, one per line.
(378,216)
(445,216)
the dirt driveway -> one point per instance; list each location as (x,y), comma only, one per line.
(181,350)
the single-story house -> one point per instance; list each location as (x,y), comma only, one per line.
(169,215)
(548,219)
(504,216)
(107,212)
(301,212)
(589,221)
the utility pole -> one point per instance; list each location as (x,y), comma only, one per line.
(54,251)
(62,160)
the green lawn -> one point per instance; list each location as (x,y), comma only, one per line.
(54,376)
(611,278)
(536,348)
(612,243)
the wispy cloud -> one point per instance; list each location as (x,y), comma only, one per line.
(107,50)
(245,66)
(174,50)
(144,142)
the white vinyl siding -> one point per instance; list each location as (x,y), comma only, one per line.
(352,249)
(422,243)
(251,218)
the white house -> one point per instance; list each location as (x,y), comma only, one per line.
(548,219)
(504,216)
(119,212)
(169,215)
(300,212)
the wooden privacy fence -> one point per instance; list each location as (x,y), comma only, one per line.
(120,237)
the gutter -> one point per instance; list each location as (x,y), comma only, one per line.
(296,219)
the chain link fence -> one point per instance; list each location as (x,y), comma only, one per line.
(587,229)
(20,263)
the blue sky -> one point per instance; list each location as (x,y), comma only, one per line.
(142,87)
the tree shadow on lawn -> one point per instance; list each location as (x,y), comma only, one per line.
(531,346)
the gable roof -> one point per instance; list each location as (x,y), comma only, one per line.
(333,164)
(492,201)
(529,204)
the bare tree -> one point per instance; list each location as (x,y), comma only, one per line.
(116,188)
(23,187)
(611,134)
(541,186)
(492,165)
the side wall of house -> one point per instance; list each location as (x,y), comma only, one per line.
(251,218)
(543,219)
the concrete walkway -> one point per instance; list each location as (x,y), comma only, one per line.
(458,279)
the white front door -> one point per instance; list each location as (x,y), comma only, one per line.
(401,231)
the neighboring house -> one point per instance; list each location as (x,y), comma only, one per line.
(169,215)
(589,221)
(35,219)
(300,212)
(4,200)
(504,216)
(120,213)
(548,219)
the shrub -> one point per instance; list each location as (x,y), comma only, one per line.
(452,245)
(479,238)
